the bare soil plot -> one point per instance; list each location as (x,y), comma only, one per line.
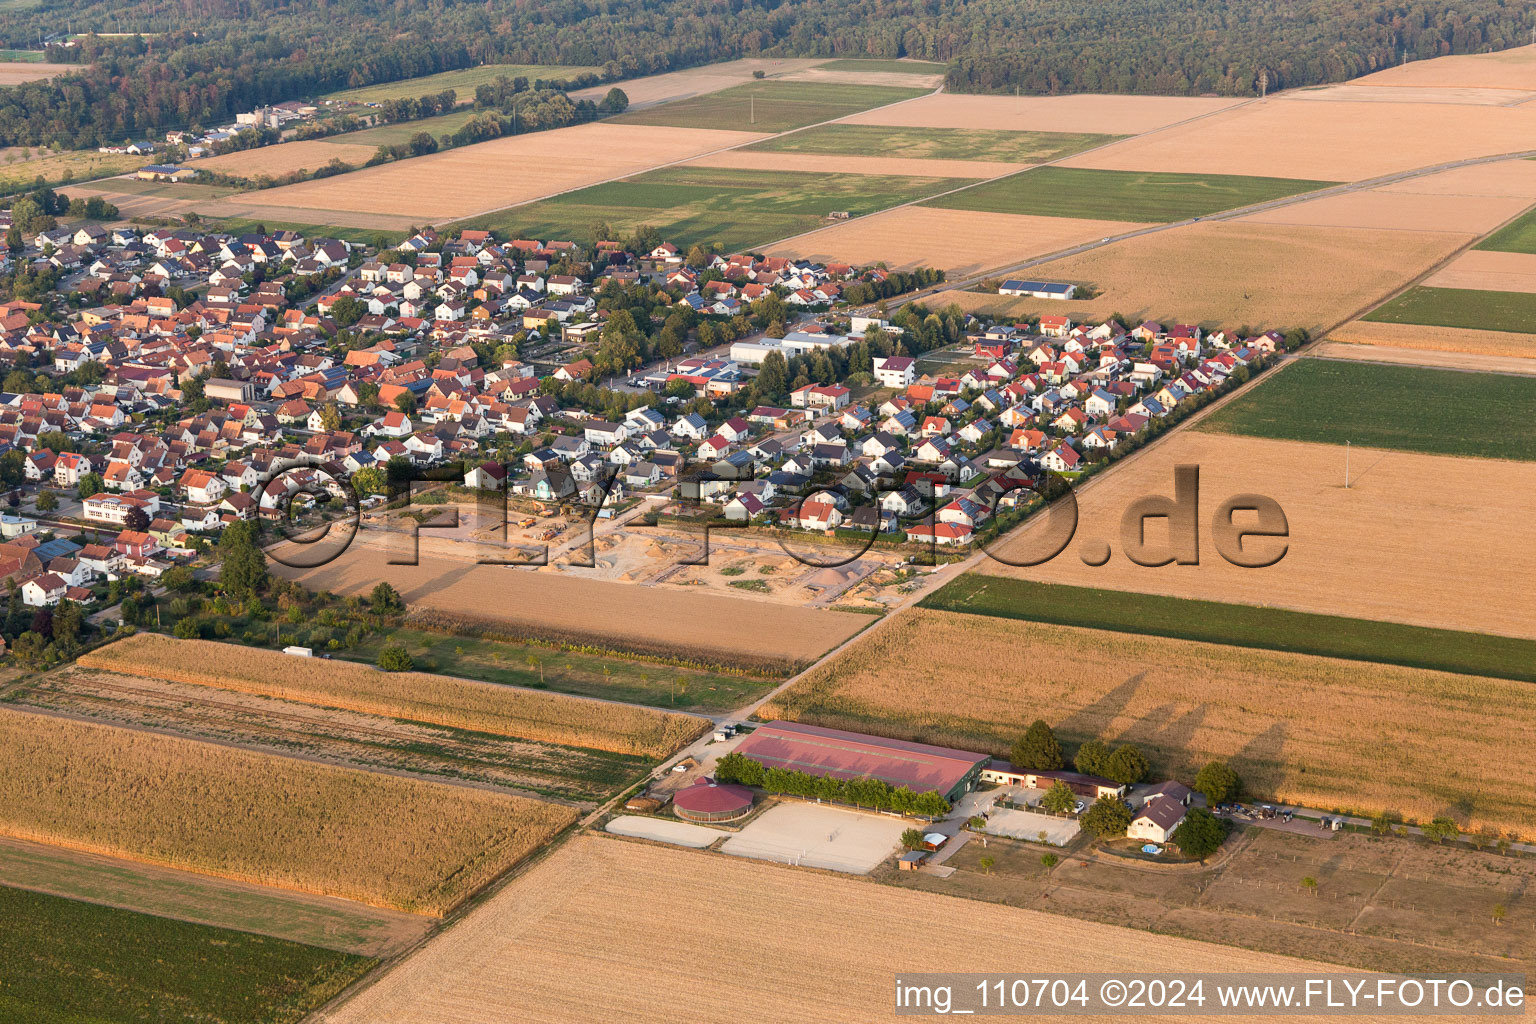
(653,90)
(414,696)
(1336,141)
(1236,272)
(818,836)
(1514,68)
(1462,522)
(491,175)
(21,72)
(613,931)
(1380,209)
(1319,732)
(378,839)
(1496,344)
(334,735)
(961,242)
(1111,115)
(1438,359)
(664,830)
(1486,270)
(674,622)
(820,163)
(286,158)
(299,917)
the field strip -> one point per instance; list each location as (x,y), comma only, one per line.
(1439,359)
(324,921)
(682,161)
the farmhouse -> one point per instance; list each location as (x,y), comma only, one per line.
(850,755)
(1090,787)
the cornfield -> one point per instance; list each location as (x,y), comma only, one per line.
(418,696)
(1320,732)
(379,839)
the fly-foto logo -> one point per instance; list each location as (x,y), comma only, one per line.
(1248,530)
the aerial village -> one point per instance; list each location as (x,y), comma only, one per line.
(166,383)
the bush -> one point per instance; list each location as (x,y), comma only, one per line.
(1200,834)
(1050,860)
(912,839)
(395,658)
(1108,818)
(1217,781)
(1037,749)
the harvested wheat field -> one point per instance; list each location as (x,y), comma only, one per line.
(1435,359)
(418,696)
(821,163)
(379,839)
(654,90)
(668,622)
(609,930)
(1235,272)
(899,79)
(1486,270)
(1500,179)
(1501,344)
(1329,141)
(961,242)
(315,222)
(1514,68)
(503,172)
(1364,552)
(1319,732)
(1385,210)
(286,158)
(1109,115)
(21,72)
(1351,92)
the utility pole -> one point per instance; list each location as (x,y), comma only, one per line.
(753,101)
(1263,82)
(1346,465)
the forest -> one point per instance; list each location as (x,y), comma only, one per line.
(202,61)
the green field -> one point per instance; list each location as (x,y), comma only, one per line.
(394,134)
(905,67)
(21,166)
(736,208)
(1144,196)
(1239,625)
(1517,236)
(1460,307)
(330,924)
(65,962)
(167,189)
(935,143)
(463,82)
(1409,408)
(23,56)
(770,106)
(242,225)
(589,675)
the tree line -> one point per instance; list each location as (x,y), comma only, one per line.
(237,54)
(861,792)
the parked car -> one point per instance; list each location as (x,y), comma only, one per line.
(1079,807)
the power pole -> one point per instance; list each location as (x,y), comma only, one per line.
(753,101)
(1263,82)
(1346,465)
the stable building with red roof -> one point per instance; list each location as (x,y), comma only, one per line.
(850,755)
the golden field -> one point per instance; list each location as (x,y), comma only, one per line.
(1499,344)
(653,90)
(960,242)
(1343,141)
(417,696)
(1368,552)
(1318,732)
(286,158)
(1514,68)
(1109,115)
(1485,270)
(660,620)
(502,172)
(613,931)
(379,839)
(1381,209)
(1237,272)
(20,72)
